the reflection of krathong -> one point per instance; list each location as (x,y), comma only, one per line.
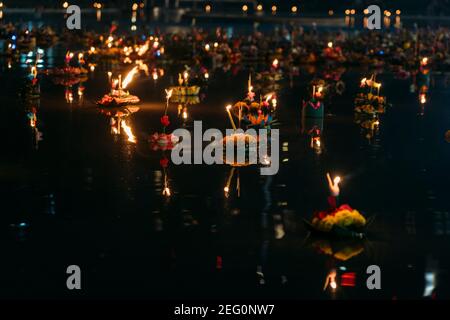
(340,250)
(118,95)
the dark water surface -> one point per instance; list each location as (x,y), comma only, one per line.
(84,196)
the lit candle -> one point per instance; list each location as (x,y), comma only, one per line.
(231,118)
(334,185)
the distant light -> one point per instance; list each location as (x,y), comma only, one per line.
(330,12)
(134,7)
(133,28)
(274,9)
(208,8)
(294,9)
(366,11)
(330,44)
(398,12)
(347,12)
(65,5)
(353,11)
(207,47)
(259,7)
(216,44)
(245,8)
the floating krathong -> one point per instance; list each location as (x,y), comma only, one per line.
(183,88)
(338,221)
(119,96)
(252,113)
(68,70)
(369,102)
(314,107)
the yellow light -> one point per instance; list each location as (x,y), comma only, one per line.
(216,44)
(274,8)
(134,7)
(347,12)
(245,8)
(65,5)
(398,12)
(207,75)
(353,11)
(207,47)
(294,9)
(208,8)
(388,13)
(366,11)
(259,7)
(133,28)
(330,44)
(330,12)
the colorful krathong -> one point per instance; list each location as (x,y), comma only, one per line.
(253,113)
(341,221)
(370,101)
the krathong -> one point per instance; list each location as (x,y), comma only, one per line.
(341,221)
(370,102)
(118,95)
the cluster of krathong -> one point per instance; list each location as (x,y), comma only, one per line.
(252,113)
(370,101)
(118,96)
(338,220)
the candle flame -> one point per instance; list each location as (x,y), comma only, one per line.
(228,107)
(337,180)
(129,77)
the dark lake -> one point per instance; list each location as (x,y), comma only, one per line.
(87,197)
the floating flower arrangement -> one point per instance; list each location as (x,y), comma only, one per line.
(370,102)
(118,96)
(314,107)
(255,114)
(183,88)
(338,221)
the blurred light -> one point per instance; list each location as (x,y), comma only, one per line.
(259,7)
(366,11)
(274,9)
(65,5)
(208,8)
(398,12)
(353,11)
(245,8)
(134,7)
(294,9)
(347,12)
(330,12)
